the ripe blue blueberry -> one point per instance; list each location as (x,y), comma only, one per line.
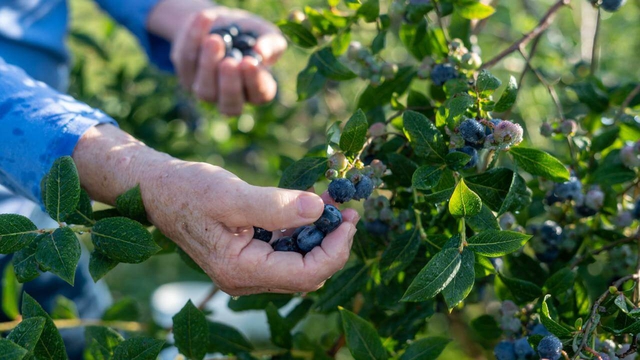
(472,132)
(471,152)
(568,190)
(341,190)
(244,42)
(584,211)
(252,53)
(549,255)
(551,232)
(505,351)
(330,220)
(235,54)
(636,210)
(286,244)
(523,349)
(364,188)
(612,5)
(298,231)
(309,238)
(262,234)
(539,329)
(377,227)
(442,73)
(550,347)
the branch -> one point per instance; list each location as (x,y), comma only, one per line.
(594,49)
(74,323)
(206,300)
(610,246)
(544,23)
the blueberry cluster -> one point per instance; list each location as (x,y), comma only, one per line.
(305,238)
(585,205)
(460,62)
(566,127)
(546,241)
(238,43)
(609,350)
(380,218)
(441,73)
(368,67)
(358,182)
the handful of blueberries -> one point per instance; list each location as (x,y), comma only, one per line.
(238,43)
(305,238)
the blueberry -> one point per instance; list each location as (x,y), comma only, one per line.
(309,238)
(341,190)
(612,5)
(523,349)
(550,347)
(364,188)
(262,234)
(235,54)
(285,244)
(377,227)
(441,73)
(298,231)
(488,130)
(550,232)
(550,255)
(505,351)
(539,329)
(234,30)
(472,132)
(252,53)
(330,220)
(636,210)
(471,152)
(244,42)
(569,190)
(584,211)
(552,198)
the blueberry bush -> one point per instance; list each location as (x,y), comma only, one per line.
(520,253)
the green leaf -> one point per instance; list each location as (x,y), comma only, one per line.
(458,106)
(435,276)
(83,214)
(138,349)
(59,252)
(457,160)
(611,171)
(373,97)
(62,189)
(518,197)
(362,339)
(258,301)
(16,232)
(486,82)
(426,140)
(10,292)
(227,340)
(104,338)
(538,162)
(461,285)
(50,345)
(415,38)
(11,351)
(370,10)
(522,291)
(24,261)
(402,169)
(492,186)
(100,265)
(354,134)
(27,333)
(309,81)
(561,282)
(590,93)
(399,254)
(474,10)
(485,220)
(340,43)
(125,309)
(342,287)
(190,330)
(130,205)
(483,267)
(555,328)
(280,331)
(329,66)
(425,348)
(298,34)
(508,97)
(464,202)
(487,327)
(64,309)
(605,139)
(123,240)
(302,174)
(494,243)
(426,177)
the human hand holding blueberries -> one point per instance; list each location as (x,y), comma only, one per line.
(210,213)
(205,63)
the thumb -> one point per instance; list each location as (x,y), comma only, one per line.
(274,209)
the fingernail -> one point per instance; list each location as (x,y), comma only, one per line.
(309,206)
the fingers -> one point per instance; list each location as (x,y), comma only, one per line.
(186,48)
(272,208)
(230,88)
(328,199)
(205,84)
(260,85)
(270,46)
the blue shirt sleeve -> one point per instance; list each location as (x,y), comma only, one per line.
(37,126)
(133,14)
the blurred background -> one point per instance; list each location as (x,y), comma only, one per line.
(111,73)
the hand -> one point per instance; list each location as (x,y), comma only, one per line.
(210,214)
(199,59)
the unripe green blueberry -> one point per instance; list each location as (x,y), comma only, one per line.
(363,54)
(353,175)
(386,214)
(569,127)
(377,129)
(353,53)
(546,129)
(331,174)
(471,61)
(389,70)
(338,161)
(378,168)
(297,16)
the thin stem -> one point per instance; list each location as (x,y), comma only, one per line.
(607,247)
(445,32)
(552,92)
(627,101)
(418,213)
(74,323)
(594,49)
(210,296)
(544,23)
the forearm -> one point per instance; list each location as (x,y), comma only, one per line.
(110,162)
(169,16)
